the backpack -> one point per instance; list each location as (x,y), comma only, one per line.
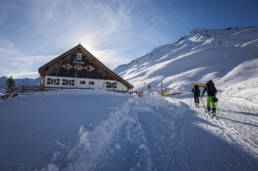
(196,90)
(211,89)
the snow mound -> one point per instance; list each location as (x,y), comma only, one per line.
(244,71)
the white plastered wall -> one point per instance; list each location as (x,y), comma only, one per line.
(98,83)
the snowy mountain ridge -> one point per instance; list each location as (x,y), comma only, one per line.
(201,55)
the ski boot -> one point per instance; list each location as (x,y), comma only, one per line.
(208,110)
(213,112)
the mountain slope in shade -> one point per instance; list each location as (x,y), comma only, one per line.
(227,56)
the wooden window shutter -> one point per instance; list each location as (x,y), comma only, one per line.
(72,82)
(57,81)
(107,85)
(115,85)
(64,82)
(48,80)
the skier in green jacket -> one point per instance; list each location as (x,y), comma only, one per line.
(211,98)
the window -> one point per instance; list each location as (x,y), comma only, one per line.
(91,82)
(89,68)
(67,66)
(79,57)
(111,85)
(53,81)
(78,67)
(82,82)
(71,82)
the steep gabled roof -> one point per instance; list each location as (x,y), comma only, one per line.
(93,58)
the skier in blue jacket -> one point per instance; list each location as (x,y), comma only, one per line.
(196,92)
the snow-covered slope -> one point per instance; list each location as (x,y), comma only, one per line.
(227,56)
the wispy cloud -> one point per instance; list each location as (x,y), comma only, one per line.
(15,63)
(111,31)
(115,31)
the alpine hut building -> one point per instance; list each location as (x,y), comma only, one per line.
(78,68)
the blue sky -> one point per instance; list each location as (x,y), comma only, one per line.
(32,32)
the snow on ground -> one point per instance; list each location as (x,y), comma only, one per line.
(158,133)
(236,123)
(33,126)
(78,130)
(97,130)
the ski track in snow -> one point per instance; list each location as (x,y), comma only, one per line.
(234,126)
(156,133)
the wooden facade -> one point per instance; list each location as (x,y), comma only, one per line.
(78,68)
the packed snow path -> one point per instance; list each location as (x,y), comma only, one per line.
(237,122)
(156,133)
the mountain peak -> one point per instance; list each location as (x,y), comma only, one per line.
(200,55)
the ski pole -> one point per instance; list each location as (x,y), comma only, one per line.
(203,105)
(217,107)
(192,100)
